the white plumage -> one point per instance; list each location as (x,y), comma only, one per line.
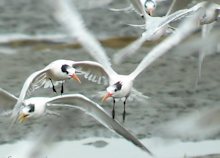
(38,106)
(119,85)
(56,72)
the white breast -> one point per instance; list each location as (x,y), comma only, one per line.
(127,84)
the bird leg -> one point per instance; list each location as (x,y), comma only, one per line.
(113,109)
(124,112)
(53,87)
(62,89)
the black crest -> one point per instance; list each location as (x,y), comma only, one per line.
(118,86)
(64,68)
(32,107)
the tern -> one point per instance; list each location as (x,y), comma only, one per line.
(119,86)
(156,27)
(149,6)
(56,72)
(208,22)
(38,106)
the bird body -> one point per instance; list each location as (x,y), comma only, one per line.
(56,72)
(156,27)
(38,106)
(121,86)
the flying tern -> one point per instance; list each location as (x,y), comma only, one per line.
(148,6)
(38,106)
(158,26)
(56,72)
(119,86)
(208,21)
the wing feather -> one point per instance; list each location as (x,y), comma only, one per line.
(69,18)
(96,111)
(92,71)
(33,82)
(152,28)
(7,100)
(187,27)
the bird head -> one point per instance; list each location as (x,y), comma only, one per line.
(112,90)
(150,6)
(26,112)
(71,72)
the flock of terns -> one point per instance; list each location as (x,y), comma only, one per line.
(101,72)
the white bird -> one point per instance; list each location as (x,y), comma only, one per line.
(148,5)
(56,72)
(38,106)
(207,22)
(156,27)
(119,86)
(151,5)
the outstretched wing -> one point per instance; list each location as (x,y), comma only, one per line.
(185,3)
(33,82)
(188,26)
(7,100)
(154,25)
(69,18)
(81,102)
(92,71)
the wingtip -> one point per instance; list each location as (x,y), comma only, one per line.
(148,151)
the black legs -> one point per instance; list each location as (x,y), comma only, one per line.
(54,90)
(124,111)
(113,109)
(62,89)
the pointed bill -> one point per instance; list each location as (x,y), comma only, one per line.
(75,77)
(104,98)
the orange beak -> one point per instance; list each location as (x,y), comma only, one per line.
(106,97)
(150,11)
(22,118)
(75,77)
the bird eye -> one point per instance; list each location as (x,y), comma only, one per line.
(31,108)
(115,90)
